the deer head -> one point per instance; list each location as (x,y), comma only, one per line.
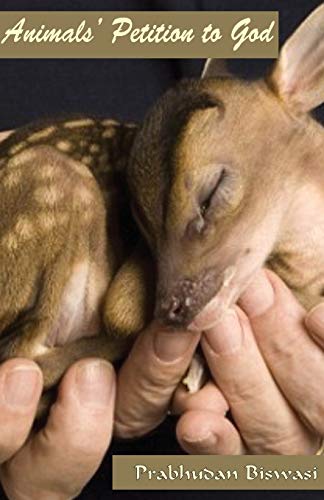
(215,168)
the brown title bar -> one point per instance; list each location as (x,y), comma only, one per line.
(150,34)
(206,472)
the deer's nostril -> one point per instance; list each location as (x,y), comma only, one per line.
(176,309)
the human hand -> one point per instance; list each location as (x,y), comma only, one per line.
(148,378)
(269,372)
(56,462)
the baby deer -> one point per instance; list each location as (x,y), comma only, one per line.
(224,176)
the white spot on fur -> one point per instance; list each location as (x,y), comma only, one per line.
(62,218)
(39,350)
(84,196)
(109,123)
(109,133)
(22,231)
(17,147)
(48,195)
(87,159)
(64,146)
(94,148)
(41,134)
(12,179)
(84,122)
(10,241)
(24,228)
(81,169)
(20,159)
(47,221)
(47,171)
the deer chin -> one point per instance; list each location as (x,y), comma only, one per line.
(226,297)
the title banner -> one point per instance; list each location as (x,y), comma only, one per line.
(149,34)
(207,472)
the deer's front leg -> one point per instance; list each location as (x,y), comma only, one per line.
(130,298)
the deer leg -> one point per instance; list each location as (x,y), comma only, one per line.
(130,298)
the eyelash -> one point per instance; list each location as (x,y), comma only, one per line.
(199,224)
(205,205)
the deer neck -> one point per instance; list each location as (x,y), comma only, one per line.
(299,253)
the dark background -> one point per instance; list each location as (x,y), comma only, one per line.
(124,89)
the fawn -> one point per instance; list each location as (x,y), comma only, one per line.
(223,176)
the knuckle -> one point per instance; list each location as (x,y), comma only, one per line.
(154,377)
(125,431)
(149,379)
(244,392)
(133,430)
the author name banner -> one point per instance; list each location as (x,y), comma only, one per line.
(149,34)
(206,472)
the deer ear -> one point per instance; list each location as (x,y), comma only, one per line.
(214,68)
(298,75)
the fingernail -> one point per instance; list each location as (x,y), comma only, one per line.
(258,297)
(170,346)
(315,320)
(20,386)
(94,381)
(202,441)
(226,336)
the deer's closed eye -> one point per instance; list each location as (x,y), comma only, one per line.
(208,196)
(208,200)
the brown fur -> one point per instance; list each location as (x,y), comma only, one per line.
(259,138)
(56,215)
(224,176)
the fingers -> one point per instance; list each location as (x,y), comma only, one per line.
(149,377)
(203,428)
(57,462)
(315,324)
(266,422)
(208,398)
(20,388)
(208,433)
(295,360)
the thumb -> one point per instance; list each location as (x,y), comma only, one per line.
(61,458)
(149,377)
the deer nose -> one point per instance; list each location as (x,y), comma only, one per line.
(177,307)
(173,311)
